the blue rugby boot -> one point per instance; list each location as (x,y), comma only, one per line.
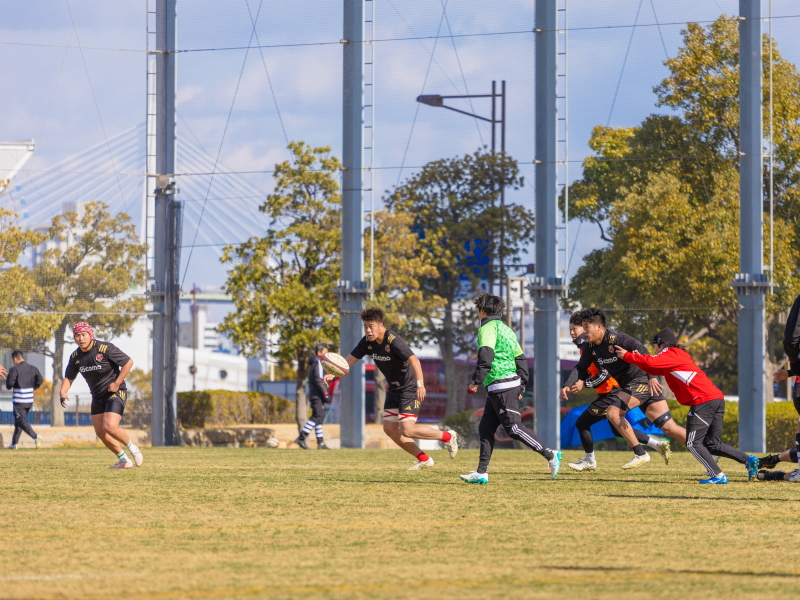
(719,479)
(751,466)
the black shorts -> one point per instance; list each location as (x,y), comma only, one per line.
(640,390)
(599,407)
(112,403)
(398,405)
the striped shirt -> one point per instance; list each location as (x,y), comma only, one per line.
(23,379)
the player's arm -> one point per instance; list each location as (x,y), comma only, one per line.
(11,379)
(118,357)
(487,338)
(417,366)
(631,344)
(571,380)
(66,383)
(583,371)
(123,373)
(38,380)
(661,364)
(521,363)
(351,360)
(316,375)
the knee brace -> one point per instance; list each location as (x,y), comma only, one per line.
(660,421)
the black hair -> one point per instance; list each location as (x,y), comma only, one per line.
(372,315)
(18,354)
(319,348)
(576,318)
(666,337)
(594,315)
(491,305)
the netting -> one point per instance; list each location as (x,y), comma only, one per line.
(646,148)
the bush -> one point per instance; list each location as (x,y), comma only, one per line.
(222,408)
(781,424)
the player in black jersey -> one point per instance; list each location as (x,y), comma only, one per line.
(636,387)
(791,344)
(405,388)
(104,367)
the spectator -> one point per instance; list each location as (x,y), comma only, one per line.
(23,379)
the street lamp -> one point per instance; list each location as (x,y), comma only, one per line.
(438,102)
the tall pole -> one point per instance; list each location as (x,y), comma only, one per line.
(546,287)
(751,282)
(194,338)
(491,248)
(503,197)
(352,288)
(164,293)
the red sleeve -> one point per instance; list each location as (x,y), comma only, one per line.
(660,364)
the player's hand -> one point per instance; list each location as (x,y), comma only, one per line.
(113,386)
(3,372)
(577,387)
(64,402)
(472,388)
(328,378)
(780,376)
(655,387)
(620,351)
(421,393)
(564,392)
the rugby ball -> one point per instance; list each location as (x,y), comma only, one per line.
(273,442)
(335,364)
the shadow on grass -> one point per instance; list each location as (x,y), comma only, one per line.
(669,497)
(677,571)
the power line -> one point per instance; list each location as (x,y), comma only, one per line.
(624,62)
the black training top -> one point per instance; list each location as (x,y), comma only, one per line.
(605,357)
(99,366)
(791,338)
(391,358)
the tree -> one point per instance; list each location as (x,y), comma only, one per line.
(283,283)
(665,195)
(454,207)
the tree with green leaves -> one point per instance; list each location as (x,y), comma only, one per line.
(90,267)
(455,209)
(283,284)
(665,196)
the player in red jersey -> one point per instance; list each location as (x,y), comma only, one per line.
(692,387)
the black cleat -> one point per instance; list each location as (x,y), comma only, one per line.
(302,443)
(321,446)
(769,462)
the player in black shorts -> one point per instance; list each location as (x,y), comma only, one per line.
(405,388)
(635,387)
(791,344)
(104,367)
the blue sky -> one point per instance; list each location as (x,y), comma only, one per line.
(73,98)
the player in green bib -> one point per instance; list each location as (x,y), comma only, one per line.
(503,369)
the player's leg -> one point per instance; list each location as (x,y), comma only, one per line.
(796,400)
(584,423)
(115,407)
(506,403)
(771,461)
(411,429)
(698,422)
(779,475)
(318,415)
(616,417)
(486,430)
(657,410)
(310,424)
(712,441)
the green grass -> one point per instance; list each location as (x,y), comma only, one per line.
(262,523)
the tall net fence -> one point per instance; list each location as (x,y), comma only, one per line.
(647,151)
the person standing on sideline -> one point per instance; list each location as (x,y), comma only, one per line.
(104,367)
(503,369)
(23,379)
(318,398)
(692,388)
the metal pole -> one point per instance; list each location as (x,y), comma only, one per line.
(352,289)
(194,338)
(751,283)
(503,189)
(491,248)
(166,250)
(546,287)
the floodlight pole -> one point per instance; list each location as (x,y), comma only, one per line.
(164,292)
(352,289)
(751,283)
(547,287)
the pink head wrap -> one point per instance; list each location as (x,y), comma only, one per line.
(83,328)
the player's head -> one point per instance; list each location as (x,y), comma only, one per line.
(373,323)
(17,356)
(320,349)
(83,334)
(665,338)
(576,324)
(594,324)
(489,304)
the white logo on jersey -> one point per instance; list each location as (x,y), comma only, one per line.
(94,368)
(685,376)
(605,361)
(382,358)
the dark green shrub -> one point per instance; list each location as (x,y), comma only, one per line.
(223,408)
(462,425)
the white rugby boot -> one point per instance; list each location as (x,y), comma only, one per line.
(637,461)
(452,445)
(583,464)
(665,451)
(427,464)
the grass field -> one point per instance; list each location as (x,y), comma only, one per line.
(261,523)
